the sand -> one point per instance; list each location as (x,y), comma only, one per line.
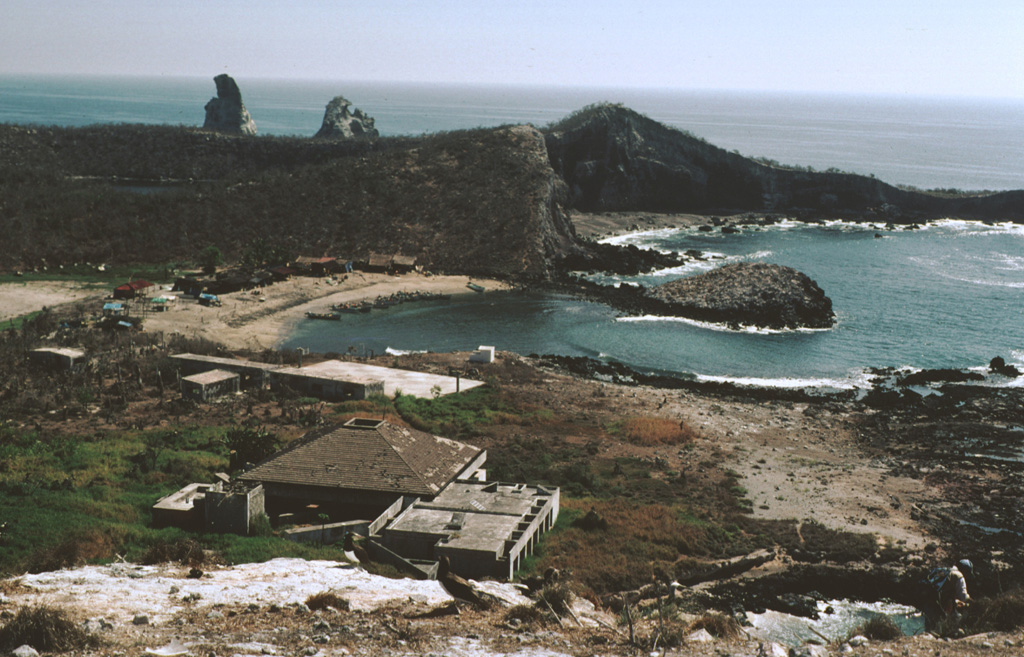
(18,299)
(249,320)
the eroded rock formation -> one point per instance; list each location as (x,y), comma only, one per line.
(226,112)
(750,294)
(340,124)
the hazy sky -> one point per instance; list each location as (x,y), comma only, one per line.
(945,47)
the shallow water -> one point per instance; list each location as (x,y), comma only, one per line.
(847,616)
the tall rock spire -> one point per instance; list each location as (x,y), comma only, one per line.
(226,112)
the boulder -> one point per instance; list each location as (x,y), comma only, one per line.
(750,294)
(226,112)
(340,124)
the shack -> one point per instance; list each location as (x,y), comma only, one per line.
(210,385)
(378,262)
(58,358)
(403,263)
(114,309)
(131,290)
(312,266)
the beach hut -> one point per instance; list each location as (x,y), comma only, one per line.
(131,290)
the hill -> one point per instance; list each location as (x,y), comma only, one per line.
(481,202)
(614,159)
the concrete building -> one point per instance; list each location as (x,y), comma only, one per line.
(485,529)
(58,358)
(360,378)
(251,373)
(209,385)
(361,468)
(331,380)
(483,354)
(223,506)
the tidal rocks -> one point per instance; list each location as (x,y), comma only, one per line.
(750,294)
(226,112)
(340,124)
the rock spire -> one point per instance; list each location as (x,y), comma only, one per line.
(340,124)
(226,112)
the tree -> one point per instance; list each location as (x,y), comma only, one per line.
(250,443)
(209,258)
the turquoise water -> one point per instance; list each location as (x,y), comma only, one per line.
(949,295)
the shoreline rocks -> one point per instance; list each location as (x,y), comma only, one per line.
(751,294)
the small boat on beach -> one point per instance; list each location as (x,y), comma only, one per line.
(475,287)
(312,315)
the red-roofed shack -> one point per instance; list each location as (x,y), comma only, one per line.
(131,290)
(317,266)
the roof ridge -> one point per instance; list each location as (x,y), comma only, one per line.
(419,477)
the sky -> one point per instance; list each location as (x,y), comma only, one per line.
(912,47)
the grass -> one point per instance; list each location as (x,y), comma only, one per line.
(459,416)
(879,628)
(652,431)
(1000,613)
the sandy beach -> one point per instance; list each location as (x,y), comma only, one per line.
(246,320)
(249,320)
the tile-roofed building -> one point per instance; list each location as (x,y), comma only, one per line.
(364,463)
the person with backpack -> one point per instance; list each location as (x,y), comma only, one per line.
(946,596)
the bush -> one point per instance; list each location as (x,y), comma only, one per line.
(880,628)
(325,600)
(45,629)
(525,614)
(75,550)
(717,625)
(1002,613)
(184,551)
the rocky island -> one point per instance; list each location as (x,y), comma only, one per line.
(750,294)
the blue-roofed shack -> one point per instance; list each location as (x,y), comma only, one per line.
(114,309)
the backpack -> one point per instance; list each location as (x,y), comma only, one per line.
(935,581)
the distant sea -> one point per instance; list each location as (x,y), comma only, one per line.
(951,295)
(925,142)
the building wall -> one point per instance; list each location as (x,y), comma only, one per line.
(232,512)
(326,389)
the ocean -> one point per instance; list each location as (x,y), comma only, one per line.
(950,295)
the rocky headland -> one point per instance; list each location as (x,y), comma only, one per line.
(750,294)
(339,123)
(226,112)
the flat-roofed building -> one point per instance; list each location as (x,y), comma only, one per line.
(485,529)
(209,385)
(331,380)
(332,375)
(250,373)
(58,358)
